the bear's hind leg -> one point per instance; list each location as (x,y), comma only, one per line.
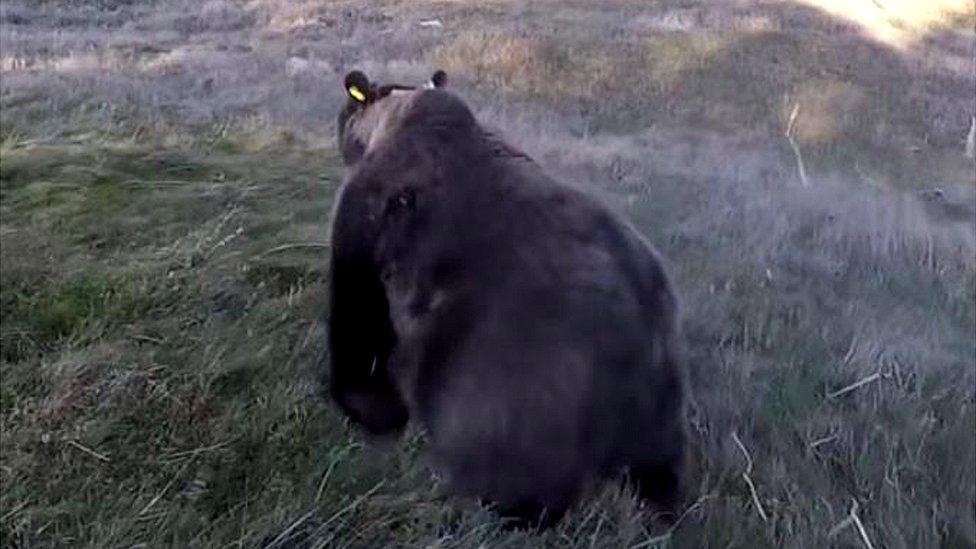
(529,513)
(661,483)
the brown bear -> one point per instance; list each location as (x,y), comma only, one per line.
(529,330)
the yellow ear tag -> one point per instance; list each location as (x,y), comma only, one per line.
(357,95)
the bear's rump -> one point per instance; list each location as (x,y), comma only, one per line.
(525,420)
(506,438)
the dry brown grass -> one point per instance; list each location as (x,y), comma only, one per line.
(519,66)
(831,112)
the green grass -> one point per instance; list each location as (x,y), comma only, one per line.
(147,332)
(161,383)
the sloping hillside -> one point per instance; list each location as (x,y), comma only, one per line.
(166,175)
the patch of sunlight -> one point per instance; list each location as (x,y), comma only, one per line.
(899,22)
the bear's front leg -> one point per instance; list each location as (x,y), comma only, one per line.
(360,341)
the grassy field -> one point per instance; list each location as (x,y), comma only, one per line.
(166,175)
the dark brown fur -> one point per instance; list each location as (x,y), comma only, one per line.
(529,330)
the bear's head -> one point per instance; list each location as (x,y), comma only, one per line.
(371,110)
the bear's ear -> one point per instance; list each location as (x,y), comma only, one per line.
(358,87)
(438,80)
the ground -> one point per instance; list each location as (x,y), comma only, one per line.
(166,176)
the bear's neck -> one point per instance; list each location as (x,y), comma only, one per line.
(500,148)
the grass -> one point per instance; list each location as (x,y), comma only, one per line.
(165,245)
(130,351)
